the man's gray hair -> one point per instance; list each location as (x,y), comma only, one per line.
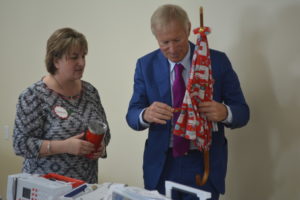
(166,14)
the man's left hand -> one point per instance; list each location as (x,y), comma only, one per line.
(214,111)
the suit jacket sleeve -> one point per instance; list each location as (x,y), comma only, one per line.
(231,93)
(138,101)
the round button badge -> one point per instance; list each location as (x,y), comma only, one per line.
(61,112)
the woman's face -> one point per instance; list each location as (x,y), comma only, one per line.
(71,66)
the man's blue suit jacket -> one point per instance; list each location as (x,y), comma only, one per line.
(152,83)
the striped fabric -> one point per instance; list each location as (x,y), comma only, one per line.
(36,120)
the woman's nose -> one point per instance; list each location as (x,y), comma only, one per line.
(81,61)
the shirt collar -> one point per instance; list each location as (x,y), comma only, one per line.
(185,62)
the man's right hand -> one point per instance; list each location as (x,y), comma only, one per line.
(158,113)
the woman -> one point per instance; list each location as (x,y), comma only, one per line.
(53,114)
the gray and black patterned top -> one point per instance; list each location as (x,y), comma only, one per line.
(36,121)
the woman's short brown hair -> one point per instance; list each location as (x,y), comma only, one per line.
(61,42)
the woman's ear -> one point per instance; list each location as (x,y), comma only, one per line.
(55,61)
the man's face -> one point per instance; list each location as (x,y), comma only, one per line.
(173,41)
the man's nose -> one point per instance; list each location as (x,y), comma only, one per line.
(172,47)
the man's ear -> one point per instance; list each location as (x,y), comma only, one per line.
(189,29)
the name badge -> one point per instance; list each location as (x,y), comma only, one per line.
(61,112)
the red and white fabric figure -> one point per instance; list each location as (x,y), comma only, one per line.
(191,124)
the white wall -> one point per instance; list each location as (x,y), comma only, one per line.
(260,37)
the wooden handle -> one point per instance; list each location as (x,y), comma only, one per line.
(201,181)
(201,17)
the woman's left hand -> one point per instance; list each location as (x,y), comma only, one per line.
(100,152)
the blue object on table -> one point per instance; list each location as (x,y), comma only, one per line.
(76,191)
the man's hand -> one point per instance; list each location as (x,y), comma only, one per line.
(158,112)
(214,111)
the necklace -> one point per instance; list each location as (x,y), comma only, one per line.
(62,88)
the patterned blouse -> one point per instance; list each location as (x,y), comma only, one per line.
(37,120)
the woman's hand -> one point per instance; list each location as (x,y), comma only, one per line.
(77,146)
(100,151)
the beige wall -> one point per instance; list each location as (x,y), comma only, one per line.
(261,39)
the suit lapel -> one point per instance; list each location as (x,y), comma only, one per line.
(162,74)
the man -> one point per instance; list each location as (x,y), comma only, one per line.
(151,106)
